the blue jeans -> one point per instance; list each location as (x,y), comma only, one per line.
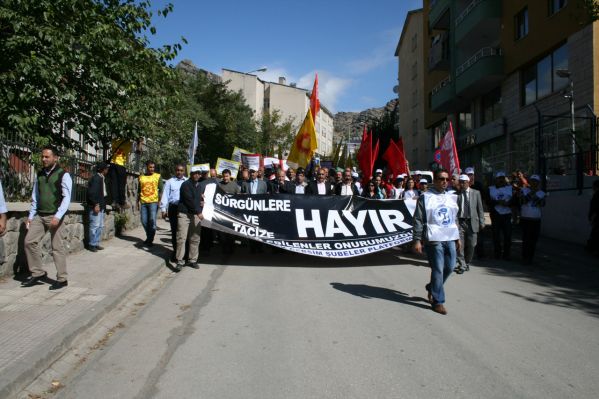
(441,258)
(148,219)
(96,226)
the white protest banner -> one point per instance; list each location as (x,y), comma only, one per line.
(222,164)
(251,161)
(236,155)
(271,162)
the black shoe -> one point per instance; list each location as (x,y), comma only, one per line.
(459,270)
(194,265)
(93,248)
(31,280)
(467,268)
(99,248)
(58,285)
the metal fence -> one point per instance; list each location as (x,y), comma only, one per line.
(20,160)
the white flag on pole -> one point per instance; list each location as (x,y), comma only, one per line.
(194,145)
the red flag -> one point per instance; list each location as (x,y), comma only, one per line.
(364,155)
(395,157)
(449,153)
(375,153)
(314,101)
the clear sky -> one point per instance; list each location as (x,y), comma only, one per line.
(351,44)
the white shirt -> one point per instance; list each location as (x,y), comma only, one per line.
(322,188)
(532,208)
(501,194)
(410,194)
(441,212)
(346,190)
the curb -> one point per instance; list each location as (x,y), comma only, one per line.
(17,378)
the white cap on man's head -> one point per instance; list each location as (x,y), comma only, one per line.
(535,177)
(399,177)
(378,171)
(500,174)
(423,181)
(195,169)
(469,170)
(417,172)
(354,175)
(464,178)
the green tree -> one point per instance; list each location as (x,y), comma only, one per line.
(83,65)
(275,135)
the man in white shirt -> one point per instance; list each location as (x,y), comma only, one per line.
(500,200)
(532,200)
(321,186)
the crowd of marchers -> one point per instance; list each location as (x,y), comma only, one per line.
(448,221)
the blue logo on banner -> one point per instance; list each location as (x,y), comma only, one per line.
(443,216)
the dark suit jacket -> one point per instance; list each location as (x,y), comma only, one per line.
(261,189)
(276,188)
(354,189)
(312,188)
(477,213)
(95,192)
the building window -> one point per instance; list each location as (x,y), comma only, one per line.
(521,23)
(491,106)
(556,5)
(464,122)
(540,80)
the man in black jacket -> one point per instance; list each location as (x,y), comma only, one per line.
(321,186)
(96,201)
(346,186)
(189,218)
(280,185)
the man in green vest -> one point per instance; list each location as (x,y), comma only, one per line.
(49,203)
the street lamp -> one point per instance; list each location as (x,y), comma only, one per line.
(564,73)
(263,69)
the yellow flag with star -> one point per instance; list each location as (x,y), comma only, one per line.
(304,144)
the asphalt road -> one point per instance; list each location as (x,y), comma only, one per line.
(291,326)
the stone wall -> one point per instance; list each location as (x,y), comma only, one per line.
(12,253)
(75,236)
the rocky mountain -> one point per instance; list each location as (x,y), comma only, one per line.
(353,122)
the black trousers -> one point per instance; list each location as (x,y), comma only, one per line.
(502,234)
(531,229)
(118,183)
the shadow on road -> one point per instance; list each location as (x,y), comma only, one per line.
(369,292)
(568,276)
(270,258)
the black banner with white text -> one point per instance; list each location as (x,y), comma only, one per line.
(326,226)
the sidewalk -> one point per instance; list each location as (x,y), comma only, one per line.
(38,325)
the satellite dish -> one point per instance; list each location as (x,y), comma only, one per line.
(396,89)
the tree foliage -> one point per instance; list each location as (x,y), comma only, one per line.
(275,135)
(82,65)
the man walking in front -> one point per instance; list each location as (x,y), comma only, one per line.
(472,220)
(150,186)
(436,231)
(189,218)
(169,202)
(96,200)
(50,200)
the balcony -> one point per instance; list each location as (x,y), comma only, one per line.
(480,73)
(479,24)
(443,95)
(438,16)
(438,57)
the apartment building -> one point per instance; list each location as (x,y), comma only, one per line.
(289,100)
(502,72)
(411,71)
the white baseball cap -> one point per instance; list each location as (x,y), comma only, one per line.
(469,170)
(464,178)
(195,169)
(423,181)
(535,177)
(378,171)
(500,174)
